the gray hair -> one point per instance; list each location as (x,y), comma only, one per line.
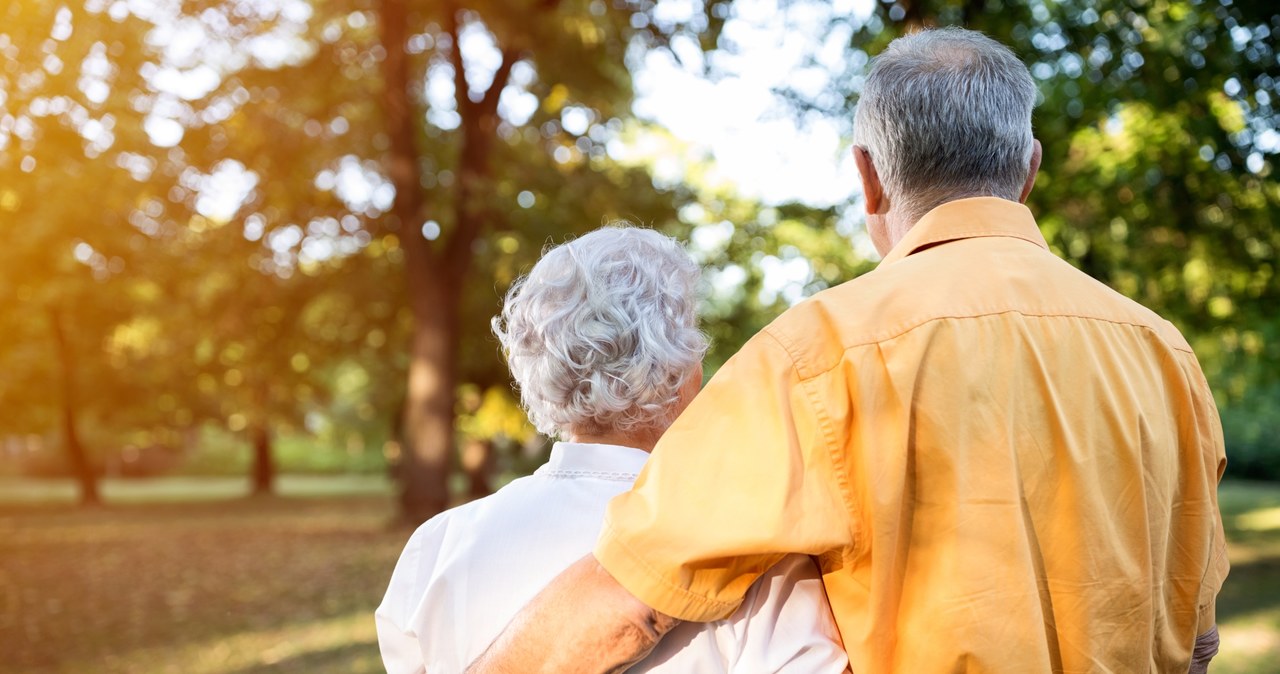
(945,114)
(603,332)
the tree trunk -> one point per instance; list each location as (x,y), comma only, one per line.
(427,419)
(428,433)
(434,270)
(478,461)
(85,474)
(264,466)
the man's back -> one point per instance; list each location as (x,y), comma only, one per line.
(1023,463)
(1050,451)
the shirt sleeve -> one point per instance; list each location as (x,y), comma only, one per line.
(743,477)
(398,639)
(785,625)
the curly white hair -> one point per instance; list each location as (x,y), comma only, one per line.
(603,332)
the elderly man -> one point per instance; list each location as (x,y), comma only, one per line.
(1001,464)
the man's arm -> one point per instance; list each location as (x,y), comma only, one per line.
(700,526)
(1206,648)
(583,622)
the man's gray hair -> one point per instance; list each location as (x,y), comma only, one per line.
(946,114)
(603,332)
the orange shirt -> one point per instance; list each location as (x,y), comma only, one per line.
(1001,464)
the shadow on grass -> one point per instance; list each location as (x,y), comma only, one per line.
(353,658)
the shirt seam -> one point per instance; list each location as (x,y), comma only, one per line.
(833,447)
(599,474)
(903,331)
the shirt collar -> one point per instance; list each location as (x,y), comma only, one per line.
(968,219)
(580,457)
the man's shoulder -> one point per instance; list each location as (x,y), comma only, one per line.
(926,288)
(1070,292)
(817,331)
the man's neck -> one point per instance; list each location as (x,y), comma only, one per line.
(897,225)
(899,222)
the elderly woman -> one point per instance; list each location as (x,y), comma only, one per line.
(602,339)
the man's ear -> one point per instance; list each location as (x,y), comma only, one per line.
(872,188)
(1036,154)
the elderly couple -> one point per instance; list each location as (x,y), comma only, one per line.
(973,459)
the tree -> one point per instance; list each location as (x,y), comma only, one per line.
(486,161)
(144,308)
(66,270)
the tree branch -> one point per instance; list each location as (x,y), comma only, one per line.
(461,92)
(501,76)
(402,164)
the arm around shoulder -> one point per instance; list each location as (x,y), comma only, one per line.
(584,622)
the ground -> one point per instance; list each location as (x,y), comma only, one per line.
(1249,606)
(221,585)
(243,586)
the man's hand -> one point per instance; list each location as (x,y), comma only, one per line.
(584,622)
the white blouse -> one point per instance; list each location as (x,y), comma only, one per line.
(466,573)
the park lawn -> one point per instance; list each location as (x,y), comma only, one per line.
(239,586)
(248,586)
(1249,606)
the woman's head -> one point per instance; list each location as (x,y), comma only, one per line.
(602,336)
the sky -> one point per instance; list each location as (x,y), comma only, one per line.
(754,143)
(738,121)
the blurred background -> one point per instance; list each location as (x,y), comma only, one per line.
(250,249)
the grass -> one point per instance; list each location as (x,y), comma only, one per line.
(237,586)
(176,576)
(1249,606)
(189,489)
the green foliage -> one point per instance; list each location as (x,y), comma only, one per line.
(747,242)
(64,207)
